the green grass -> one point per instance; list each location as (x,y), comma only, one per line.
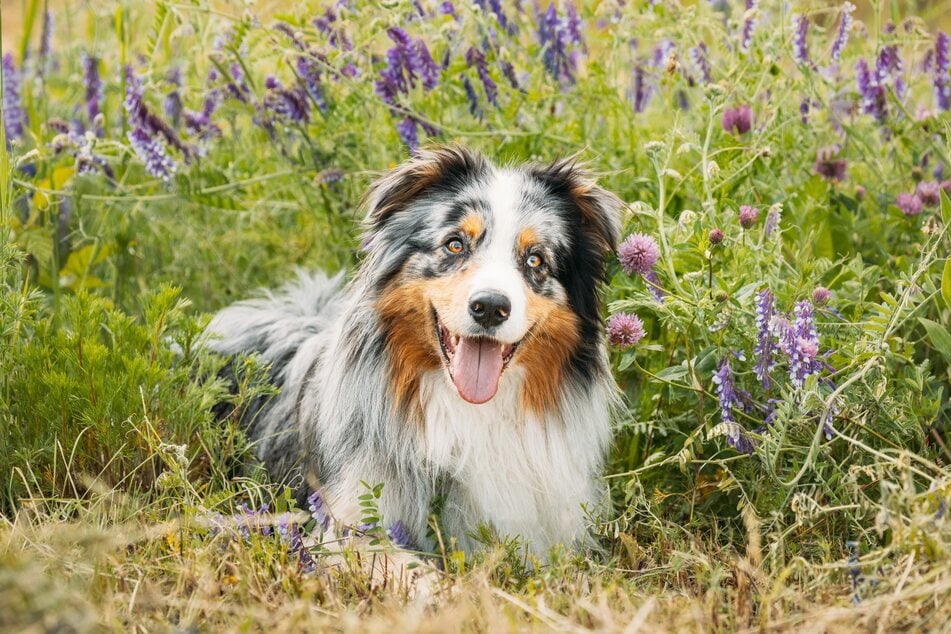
(111,462)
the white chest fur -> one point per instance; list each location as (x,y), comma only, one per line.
(524,476)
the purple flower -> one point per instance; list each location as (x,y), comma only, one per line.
(46,42)
(641,90)
(237,87)
(308,73)
(910,204)
(842,34)
(871,92)
(318,510)
(725,389)
(738,120)
(14,118)
(763,351)
(716,236)
(288,103)
(471,97)
(942,65)
(558,37)
(828,165)
(749,25)
(400,536)
(638,254)
(93,83)
(446,8)
(494,7)
(799,342)
(152,153)
(701,62)
(474,57)
(409,134)
(821,296)
(625,330)
(653,285)
(141,118)
(929,192)
(800,45)
(748,216)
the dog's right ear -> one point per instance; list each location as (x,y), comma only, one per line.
(449,167)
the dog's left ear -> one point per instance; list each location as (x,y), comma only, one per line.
(600,210)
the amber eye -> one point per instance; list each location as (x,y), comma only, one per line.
(455,246)
(534,261)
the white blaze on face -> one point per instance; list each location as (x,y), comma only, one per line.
(495,267)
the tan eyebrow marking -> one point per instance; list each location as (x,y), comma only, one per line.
(472,225)
(526,239)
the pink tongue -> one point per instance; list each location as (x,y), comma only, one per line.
(476,367)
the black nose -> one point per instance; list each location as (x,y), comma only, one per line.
(489,309)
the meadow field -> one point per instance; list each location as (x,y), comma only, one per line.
(779,312)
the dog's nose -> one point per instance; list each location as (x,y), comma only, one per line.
(489,309)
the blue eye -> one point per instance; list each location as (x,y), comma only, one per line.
(533,261)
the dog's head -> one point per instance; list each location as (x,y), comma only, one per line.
(477,268)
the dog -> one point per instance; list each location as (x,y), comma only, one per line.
(465,360)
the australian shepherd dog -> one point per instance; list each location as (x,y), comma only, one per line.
(465,360)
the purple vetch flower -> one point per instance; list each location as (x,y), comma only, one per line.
(558,36)
(638,254)
(399,535)
(237,87)
(725,389)
(14,118)
(494,7)
(842,34)
(738,120)
(508,71)
(93,82)
(152,153)
(929,192)
(474,57)
(172,104)
(773,216)
(748,216)
(799,341)
(447,8)
(288,103)
(625,330)
(829,165)
(804,111)
(942,65)
(249,521)
(46,43)
(763,351)
(873,98)
(309,74)
(471,97)
(749,25)
(319,511)
(910,204)
(821,296)
(641,90)
(800,43)
(141,118)
(700,59)
(409,133)
(291,34)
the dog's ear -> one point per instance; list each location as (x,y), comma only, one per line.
(449,167)
(599,209)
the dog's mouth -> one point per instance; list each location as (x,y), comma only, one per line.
(475,364)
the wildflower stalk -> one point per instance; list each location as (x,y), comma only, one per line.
(661,229)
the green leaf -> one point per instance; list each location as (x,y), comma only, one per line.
(945,208)
(672,373)
(946,282)
(939,336)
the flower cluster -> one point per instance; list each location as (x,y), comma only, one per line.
(562,41)
(407,62)
(800,43)
(749,25)
(738,120)
(476,59)
(829,165)
(638,254)
(150,135)
(93,96)
(763,351)
(942,66)
(625,330)
(290,104)
(873,86)
(14,118)
(842,34)
(725,388)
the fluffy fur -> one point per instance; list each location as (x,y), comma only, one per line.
(372,385)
